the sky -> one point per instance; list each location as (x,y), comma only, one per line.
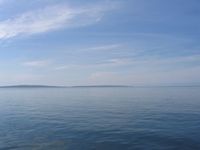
(100,42)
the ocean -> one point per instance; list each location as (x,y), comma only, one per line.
(110,118)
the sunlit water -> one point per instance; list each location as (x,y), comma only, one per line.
(166,118)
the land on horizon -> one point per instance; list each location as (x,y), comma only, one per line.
(91,86)
(52,86)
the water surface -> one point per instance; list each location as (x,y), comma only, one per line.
(166,118)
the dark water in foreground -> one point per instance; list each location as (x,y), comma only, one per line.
(100,119)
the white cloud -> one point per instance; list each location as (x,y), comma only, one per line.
(107,63)
(148,63)
(64,67)
(107,47)
(50,18)
(61,67)
(117,62)
(37,63)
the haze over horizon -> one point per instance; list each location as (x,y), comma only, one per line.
(99,42)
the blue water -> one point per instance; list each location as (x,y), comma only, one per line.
(166,118)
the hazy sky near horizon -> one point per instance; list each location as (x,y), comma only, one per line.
(76,42)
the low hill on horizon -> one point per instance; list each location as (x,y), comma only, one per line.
(50,86)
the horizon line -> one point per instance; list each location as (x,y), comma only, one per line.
(82,86)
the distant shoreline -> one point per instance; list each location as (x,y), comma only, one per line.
(49,86)
(95,86)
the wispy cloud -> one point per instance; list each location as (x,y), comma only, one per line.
(65,67)
(104,64)
(106,47)
(148,63)
(36,63)
(163,61)
(117,62)
(51,18)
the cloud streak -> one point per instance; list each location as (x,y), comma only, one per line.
(107,47)
(156,64)
(50,18)
(36,63)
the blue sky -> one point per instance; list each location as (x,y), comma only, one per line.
(76,42)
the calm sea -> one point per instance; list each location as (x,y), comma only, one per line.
(166,118)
